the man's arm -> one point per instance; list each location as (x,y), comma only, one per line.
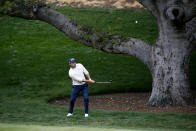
(89,79)
(84,80)
(87,75)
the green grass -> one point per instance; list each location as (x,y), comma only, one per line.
(118,22)
(13,127)
(50,115)
(34,69)
(17,127)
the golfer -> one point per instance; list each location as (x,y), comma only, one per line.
(77,72)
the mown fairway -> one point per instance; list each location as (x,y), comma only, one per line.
(15,127)
(33,70)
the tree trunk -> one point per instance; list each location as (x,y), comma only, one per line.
(170,69)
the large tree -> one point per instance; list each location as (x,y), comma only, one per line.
(167,59)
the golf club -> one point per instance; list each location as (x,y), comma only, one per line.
(104,82)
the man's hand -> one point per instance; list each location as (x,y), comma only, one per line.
(89,81)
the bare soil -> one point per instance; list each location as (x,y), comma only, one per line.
(133,102)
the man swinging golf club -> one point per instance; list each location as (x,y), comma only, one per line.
(76,72)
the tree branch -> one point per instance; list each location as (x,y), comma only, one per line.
(137,48)
(101,41)
(151,6)
(105,42)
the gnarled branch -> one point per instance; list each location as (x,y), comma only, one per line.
(105,42)
(102,41)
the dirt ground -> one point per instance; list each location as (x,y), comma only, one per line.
(133,102)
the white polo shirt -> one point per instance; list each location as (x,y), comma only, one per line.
(77,74)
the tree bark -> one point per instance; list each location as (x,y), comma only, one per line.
(170,58)
(170,72)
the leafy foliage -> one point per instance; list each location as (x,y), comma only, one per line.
(6,6)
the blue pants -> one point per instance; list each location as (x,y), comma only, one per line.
(75,91)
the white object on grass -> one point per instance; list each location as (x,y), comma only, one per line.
(69,114)
(86,115)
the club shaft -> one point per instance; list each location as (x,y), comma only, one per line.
(102,82)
